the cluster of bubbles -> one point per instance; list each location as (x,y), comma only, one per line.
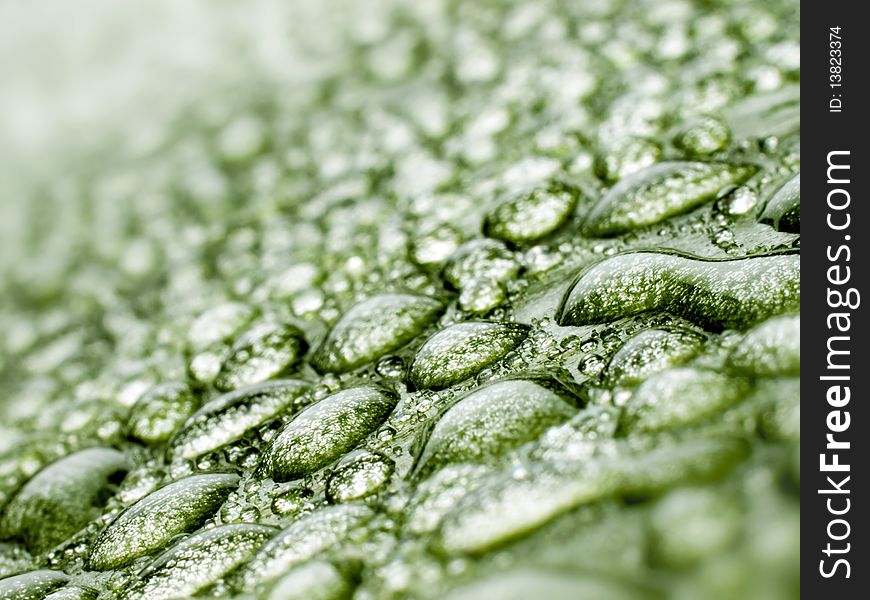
(418,300)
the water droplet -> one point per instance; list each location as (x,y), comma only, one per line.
(484,424)
(229,417)
(358,475)
(659,192)
(198,561)
(527,216)
(373,328)
(323,432)
(161,411)
(718,294)
(459,351)
(262,352)
(783,210)
(703,137)
(149,524)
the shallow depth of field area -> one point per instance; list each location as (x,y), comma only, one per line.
(400,300)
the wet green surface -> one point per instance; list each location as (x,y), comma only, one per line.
(416,300)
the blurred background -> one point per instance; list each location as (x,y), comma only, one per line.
(160,160)
(96,80)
